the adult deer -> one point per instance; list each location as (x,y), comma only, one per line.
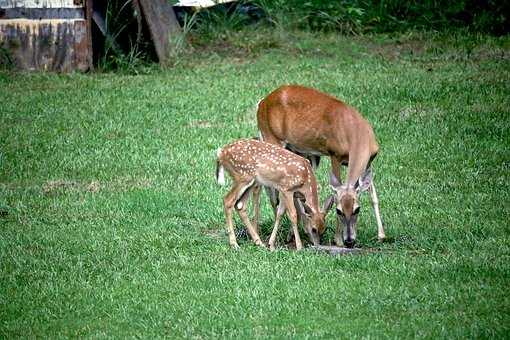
(315,124)
(252,163)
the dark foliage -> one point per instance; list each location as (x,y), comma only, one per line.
(489,16)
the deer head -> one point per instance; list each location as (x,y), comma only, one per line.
(347,204)
(314,222)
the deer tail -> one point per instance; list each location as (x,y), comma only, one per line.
(220,170)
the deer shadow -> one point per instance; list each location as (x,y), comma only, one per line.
(285,235)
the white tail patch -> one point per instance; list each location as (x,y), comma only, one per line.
(221,175)
(220,170)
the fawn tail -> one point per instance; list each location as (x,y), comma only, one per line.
(220,170)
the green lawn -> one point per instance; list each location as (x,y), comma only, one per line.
(111,223)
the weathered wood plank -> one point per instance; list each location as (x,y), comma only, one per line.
(41,3)
(201,3)
(42,13)
(49,45)
(88,19)
(162,22)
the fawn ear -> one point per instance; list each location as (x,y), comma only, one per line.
(302,208)
(365,181)
(334,182)
(328,204)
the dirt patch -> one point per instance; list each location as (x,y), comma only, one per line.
(60,186)
(200,124)
(419,112)
(334,250)
(93,186)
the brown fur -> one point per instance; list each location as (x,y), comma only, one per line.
(310,121)
(252,163)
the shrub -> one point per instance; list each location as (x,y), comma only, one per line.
(389,15)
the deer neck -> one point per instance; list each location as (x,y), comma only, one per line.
(312,196)
(358,162)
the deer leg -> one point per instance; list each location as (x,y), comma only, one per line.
(338,233)
(336,169)
(271,192)
(291,212)
(241,207)
(256,207)
(375,204)
(228,203)
(300,217)
(314,161)
(290,235)
(273,197)
(278,216)
(251,230)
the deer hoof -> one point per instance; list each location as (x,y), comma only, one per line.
(260,243)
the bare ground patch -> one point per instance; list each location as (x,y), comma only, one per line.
(62,185)
(120,184)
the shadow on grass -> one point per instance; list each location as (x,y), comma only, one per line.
(285,238)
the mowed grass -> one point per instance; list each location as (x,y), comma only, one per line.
(111,223)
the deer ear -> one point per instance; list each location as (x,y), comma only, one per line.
(365,181)
(328,204)
(334,182)
(302,208)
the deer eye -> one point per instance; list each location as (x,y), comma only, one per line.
(356,211)
(339,212)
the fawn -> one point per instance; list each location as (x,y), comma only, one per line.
(251,164)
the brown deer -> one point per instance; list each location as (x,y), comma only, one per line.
(315,124)
(251,164)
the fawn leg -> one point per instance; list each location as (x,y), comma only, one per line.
(279,212)
(301,216)
(256,207)
(288,198)
(241,207)
(228,203)
(273,197)
(251,230)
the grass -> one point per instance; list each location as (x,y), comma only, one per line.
(111,223)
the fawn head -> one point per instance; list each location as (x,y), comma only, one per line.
(315,223)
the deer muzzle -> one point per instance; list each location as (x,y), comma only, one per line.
(349,230)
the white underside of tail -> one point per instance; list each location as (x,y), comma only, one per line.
(221,170)
(221,176)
